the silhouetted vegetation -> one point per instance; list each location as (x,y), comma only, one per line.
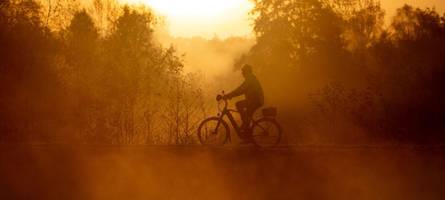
(89,83)
(97,74)
(383,82)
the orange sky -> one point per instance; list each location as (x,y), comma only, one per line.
(206,18)
(391,5)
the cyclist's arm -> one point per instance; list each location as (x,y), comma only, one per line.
(238,91)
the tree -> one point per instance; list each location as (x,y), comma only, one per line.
(83,76)
(28,85)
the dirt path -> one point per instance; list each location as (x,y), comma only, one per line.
(104,172)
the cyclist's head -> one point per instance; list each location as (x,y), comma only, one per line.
(246,70)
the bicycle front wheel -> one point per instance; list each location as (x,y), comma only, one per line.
(266,132)
(213,131)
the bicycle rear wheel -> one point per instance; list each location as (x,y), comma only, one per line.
(213,131)
(266,132)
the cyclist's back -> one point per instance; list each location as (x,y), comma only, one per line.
(251,89)
(253,92)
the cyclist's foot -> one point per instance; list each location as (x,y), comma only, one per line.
(244,135)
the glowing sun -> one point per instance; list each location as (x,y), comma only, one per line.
(203,17)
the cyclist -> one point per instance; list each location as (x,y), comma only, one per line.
(254,97)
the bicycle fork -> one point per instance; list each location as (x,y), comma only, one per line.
(229,137)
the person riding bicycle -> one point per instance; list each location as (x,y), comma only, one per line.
(254,97)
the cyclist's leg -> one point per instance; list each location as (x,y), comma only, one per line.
(242,106)
(250,110)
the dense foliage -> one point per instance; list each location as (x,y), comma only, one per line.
(84,83)
(77,74)
(384,82)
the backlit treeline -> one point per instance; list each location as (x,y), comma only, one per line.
(364,79)
(339,71)
(71,73)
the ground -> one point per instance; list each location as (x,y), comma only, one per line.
(174,172)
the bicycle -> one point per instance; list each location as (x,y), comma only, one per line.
(263,132)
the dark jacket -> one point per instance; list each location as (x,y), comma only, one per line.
(252,90)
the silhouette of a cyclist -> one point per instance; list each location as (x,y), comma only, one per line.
(254,97)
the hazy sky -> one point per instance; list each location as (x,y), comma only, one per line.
(187,18)
(205,18)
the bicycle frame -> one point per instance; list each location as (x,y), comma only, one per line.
(228,112)
(256,134)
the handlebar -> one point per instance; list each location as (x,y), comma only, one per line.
(220,97)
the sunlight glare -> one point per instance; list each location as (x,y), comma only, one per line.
(193,9)
(203,17)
